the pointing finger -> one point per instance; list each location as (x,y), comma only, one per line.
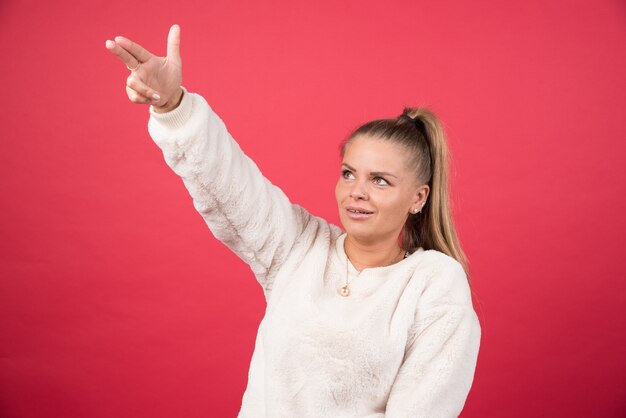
(173,44)
(133,49)
(122,54)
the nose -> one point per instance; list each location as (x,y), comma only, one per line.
(359,192)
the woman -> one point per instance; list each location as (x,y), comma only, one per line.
(357,324)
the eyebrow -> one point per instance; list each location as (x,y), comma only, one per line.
(373,173)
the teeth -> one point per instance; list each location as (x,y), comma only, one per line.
(358,211)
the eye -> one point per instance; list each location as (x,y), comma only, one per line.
(380,181)
(347,174)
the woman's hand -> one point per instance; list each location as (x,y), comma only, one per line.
(153,80)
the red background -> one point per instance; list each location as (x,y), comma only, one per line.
(116,301)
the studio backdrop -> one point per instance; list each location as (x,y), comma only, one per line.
(116,300)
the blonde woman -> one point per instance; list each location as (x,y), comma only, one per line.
(373,320)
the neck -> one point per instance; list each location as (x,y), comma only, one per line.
(368,255)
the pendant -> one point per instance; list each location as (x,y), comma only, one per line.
(344,290)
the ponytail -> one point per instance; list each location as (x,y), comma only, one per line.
(433,228)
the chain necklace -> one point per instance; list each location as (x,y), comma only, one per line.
(344,290)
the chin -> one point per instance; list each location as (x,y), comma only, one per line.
(359,231)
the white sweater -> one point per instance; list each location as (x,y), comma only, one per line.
(403,344)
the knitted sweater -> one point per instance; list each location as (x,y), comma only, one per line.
(403,344)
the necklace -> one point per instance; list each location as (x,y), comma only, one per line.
(344,290)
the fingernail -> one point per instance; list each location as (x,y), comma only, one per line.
(156,97)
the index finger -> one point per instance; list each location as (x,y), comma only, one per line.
(136,50)
(129,60)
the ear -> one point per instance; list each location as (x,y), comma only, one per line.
(419,198)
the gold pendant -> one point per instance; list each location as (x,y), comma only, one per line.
(344,290)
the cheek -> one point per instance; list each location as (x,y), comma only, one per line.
(397,206)
(338,191)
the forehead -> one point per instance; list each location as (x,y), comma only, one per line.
(374,154)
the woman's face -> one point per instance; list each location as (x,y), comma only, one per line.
(377,190)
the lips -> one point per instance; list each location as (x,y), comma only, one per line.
(358,210)
(358,213)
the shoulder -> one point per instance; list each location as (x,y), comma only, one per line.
(445,280)
(316,233)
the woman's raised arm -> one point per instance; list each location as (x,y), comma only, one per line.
(242,208)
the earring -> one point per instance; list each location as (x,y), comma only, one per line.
(416,211)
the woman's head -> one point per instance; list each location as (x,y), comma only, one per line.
(394,182)
(377,189)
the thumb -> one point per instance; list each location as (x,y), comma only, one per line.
(173,45)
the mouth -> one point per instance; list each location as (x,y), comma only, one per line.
(363,212)
(358,213)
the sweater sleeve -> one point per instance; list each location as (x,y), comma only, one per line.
(241,207)
(441,354)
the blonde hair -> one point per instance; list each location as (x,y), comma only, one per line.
(421,133)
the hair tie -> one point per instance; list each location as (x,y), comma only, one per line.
(419,124)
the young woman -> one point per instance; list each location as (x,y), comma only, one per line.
(358,323)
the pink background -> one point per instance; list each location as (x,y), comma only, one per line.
(116,301)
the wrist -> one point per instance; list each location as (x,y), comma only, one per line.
(171,104)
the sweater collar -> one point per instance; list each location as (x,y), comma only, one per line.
(343,258)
